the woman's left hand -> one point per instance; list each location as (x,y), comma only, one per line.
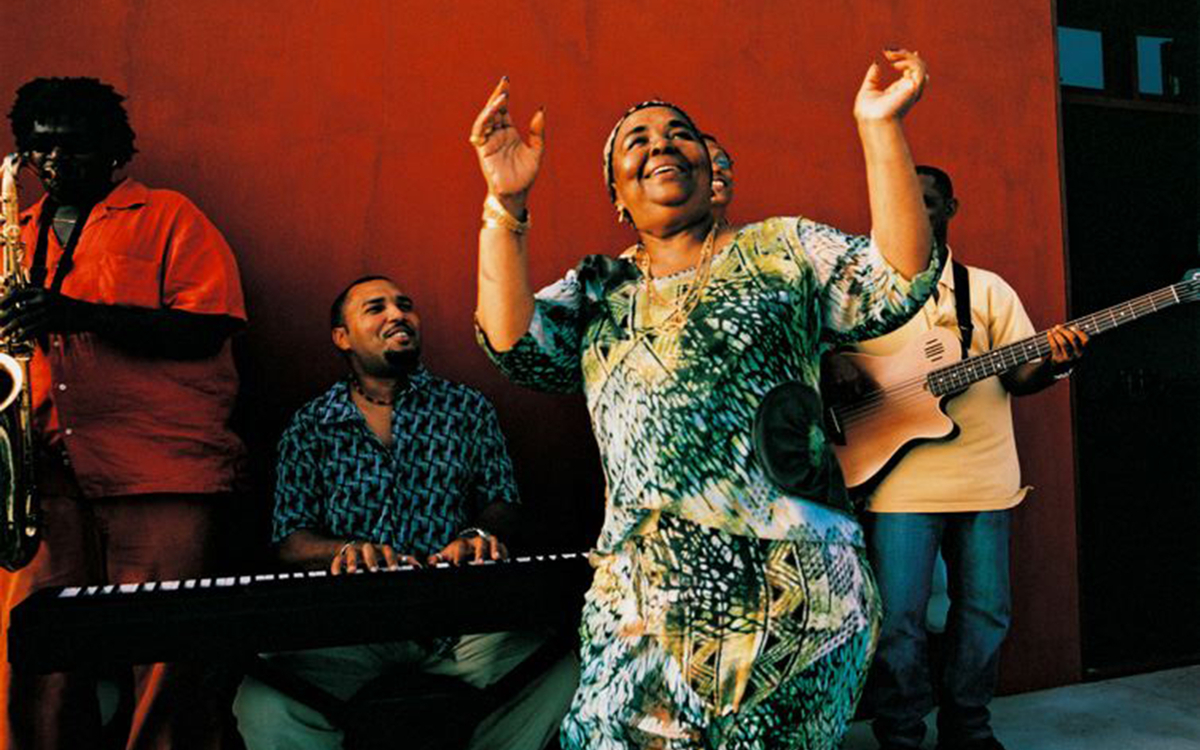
(876,102)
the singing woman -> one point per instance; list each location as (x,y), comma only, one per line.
(732,606)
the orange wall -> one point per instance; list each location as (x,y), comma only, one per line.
(328,139)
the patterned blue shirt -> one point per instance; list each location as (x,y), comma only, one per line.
(446,463)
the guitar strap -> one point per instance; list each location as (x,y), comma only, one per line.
(962,306)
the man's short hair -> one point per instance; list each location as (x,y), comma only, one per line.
(337,311)
(86,100)
(941,180)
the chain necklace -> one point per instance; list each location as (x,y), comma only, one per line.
(683,304)
(377,401)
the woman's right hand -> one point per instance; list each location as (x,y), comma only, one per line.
(509,165)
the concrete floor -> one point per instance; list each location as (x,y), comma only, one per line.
(1157,711)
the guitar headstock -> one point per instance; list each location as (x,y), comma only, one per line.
(1189,288)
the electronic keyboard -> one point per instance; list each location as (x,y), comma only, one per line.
(73,627)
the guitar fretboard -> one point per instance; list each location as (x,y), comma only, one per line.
(952,378)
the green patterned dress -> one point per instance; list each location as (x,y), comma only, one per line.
(726,612)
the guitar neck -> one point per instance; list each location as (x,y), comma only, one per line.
(955,377)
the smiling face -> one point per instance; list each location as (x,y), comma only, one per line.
(380,330)
(660,167)
(722,179)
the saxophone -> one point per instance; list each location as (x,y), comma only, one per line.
(20,514)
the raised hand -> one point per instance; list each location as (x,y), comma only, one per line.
(877,102)
(509,164)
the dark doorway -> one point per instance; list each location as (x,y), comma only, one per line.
(1130,130)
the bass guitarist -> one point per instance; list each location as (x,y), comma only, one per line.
(953,495)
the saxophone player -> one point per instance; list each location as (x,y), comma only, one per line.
(132,300)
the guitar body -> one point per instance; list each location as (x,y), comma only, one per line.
(872,434)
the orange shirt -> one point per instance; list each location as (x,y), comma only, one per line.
(134,424)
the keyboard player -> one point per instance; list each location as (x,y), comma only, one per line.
(395,466)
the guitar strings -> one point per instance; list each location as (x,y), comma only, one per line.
(916,387)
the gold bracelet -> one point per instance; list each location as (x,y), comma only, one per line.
(496,216)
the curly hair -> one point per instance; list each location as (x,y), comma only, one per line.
(96,105)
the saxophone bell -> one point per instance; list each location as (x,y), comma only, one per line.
(20,511)
(16,375)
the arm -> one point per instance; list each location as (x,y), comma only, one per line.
(510,166)
(493,497)
(1066,347)
(199,296)
(862,295)
(898,221)
(171,334)
(299,520)
(497,521)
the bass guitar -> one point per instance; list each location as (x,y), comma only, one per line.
(909,405)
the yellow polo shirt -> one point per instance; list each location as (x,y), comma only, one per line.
(978,469)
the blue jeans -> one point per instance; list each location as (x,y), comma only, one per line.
(902,548)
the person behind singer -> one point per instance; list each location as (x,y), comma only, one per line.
(698,359)
(133,300)
(956,496)
(722,177)
(395,466)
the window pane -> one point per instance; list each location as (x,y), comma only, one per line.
(1080,58)
(1150,64)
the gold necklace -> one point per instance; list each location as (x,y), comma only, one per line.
(686,303)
